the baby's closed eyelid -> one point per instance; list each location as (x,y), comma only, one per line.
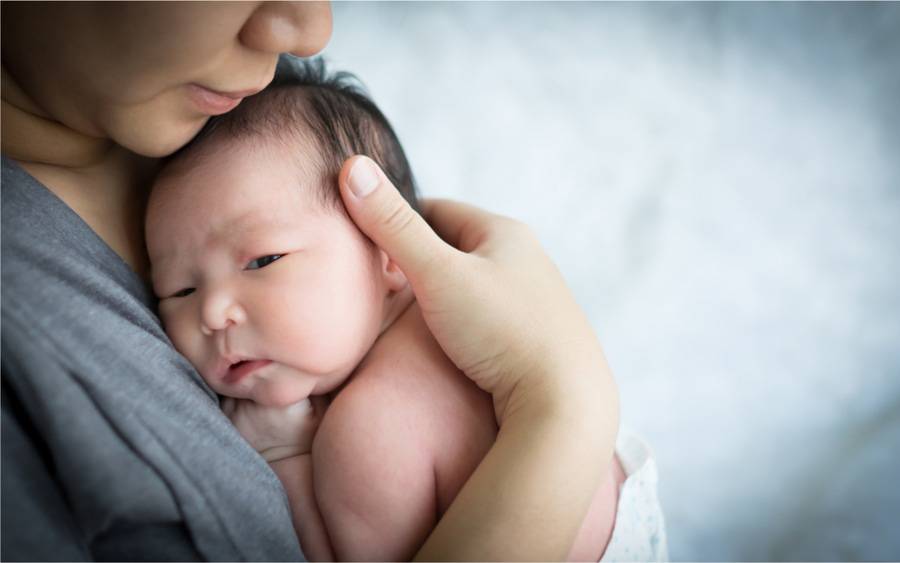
(173,287)
(184,292)
(263,261)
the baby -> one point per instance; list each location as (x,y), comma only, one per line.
(270,290)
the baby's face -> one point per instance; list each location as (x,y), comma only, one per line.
(270,295)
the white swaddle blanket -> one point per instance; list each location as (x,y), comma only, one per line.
(640,529)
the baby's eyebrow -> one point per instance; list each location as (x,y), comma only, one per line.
(165,264)
(248,223)
(239,223)
(158,273)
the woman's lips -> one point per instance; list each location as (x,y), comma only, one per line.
(242,369)
(211,102)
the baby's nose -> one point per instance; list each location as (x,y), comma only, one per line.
(219,311)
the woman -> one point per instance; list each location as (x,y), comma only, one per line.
(112,447)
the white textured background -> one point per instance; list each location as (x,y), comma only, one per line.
(720,186)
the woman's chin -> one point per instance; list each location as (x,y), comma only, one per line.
(159,138)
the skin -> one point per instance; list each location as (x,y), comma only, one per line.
(250,267)
(522,339)
(124,84)
(88,90)
(527,343)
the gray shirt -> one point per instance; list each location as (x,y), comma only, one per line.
(112,445)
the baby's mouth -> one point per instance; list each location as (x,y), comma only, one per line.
(241,369)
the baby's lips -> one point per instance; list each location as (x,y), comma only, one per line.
(238,371)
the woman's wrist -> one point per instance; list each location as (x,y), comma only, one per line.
(577,387)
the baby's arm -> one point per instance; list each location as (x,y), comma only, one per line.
(276,432)
(374,475)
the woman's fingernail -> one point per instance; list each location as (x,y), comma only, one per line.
(363,178)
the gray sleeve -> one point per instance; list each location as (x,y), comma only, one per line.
(37,524)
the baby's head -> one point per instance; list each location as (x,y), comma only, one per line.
(265,284)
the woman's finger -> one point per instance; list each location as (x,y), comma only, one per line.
(461,225)
(384,216)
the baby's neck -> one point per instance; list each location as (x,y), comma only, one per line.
(399,303)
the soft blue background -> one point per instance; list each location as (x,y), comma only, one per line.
(720,186)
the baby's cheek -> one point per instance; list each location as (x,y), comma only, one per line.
(325,319)
(174,330)
(183,337)
(316,336)
(168,314)
(304,327)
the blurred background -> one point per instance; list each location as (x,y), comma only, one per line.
(720,186)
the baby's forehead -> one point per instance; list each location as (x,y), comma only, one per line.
(236,182)
(251,167)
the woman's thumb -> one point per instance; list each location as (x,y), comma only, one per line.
(384,216)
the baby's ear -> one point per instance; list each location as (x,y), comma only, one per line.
(393,277)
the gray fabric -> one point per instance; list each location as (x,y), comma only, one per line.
(113,447)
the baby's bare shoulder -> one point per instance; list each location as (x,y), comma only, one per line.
(409,402)
(407,388)
(404,385)
(407,374)
(375,455)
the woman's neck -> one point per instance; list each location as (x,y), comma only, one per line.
(104,184)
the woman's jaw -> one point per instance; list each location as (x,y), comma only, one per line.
(126,86)
(30,135)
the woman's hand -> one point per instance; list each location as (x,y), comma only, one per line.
(502,313)
(276,432)
(493,300)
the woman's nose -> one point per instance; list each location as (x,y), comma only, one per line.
(219,310)
(301,28)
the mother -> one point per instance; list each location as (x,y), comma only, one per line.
(113,448)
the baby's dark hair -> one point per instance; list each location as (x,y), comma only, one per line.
(332,110)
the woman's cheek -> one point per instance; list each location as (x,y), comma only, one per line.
(154,128)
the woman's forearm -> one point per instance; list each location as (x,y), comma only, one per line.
(528,497)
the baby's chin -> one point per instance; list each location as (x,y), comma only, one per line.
(280,393)
(284,391)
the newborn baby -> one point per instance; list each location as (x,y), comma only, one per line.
(270,290)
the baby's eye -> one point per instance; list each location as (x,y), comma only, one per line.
(183,292)
(262,261)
